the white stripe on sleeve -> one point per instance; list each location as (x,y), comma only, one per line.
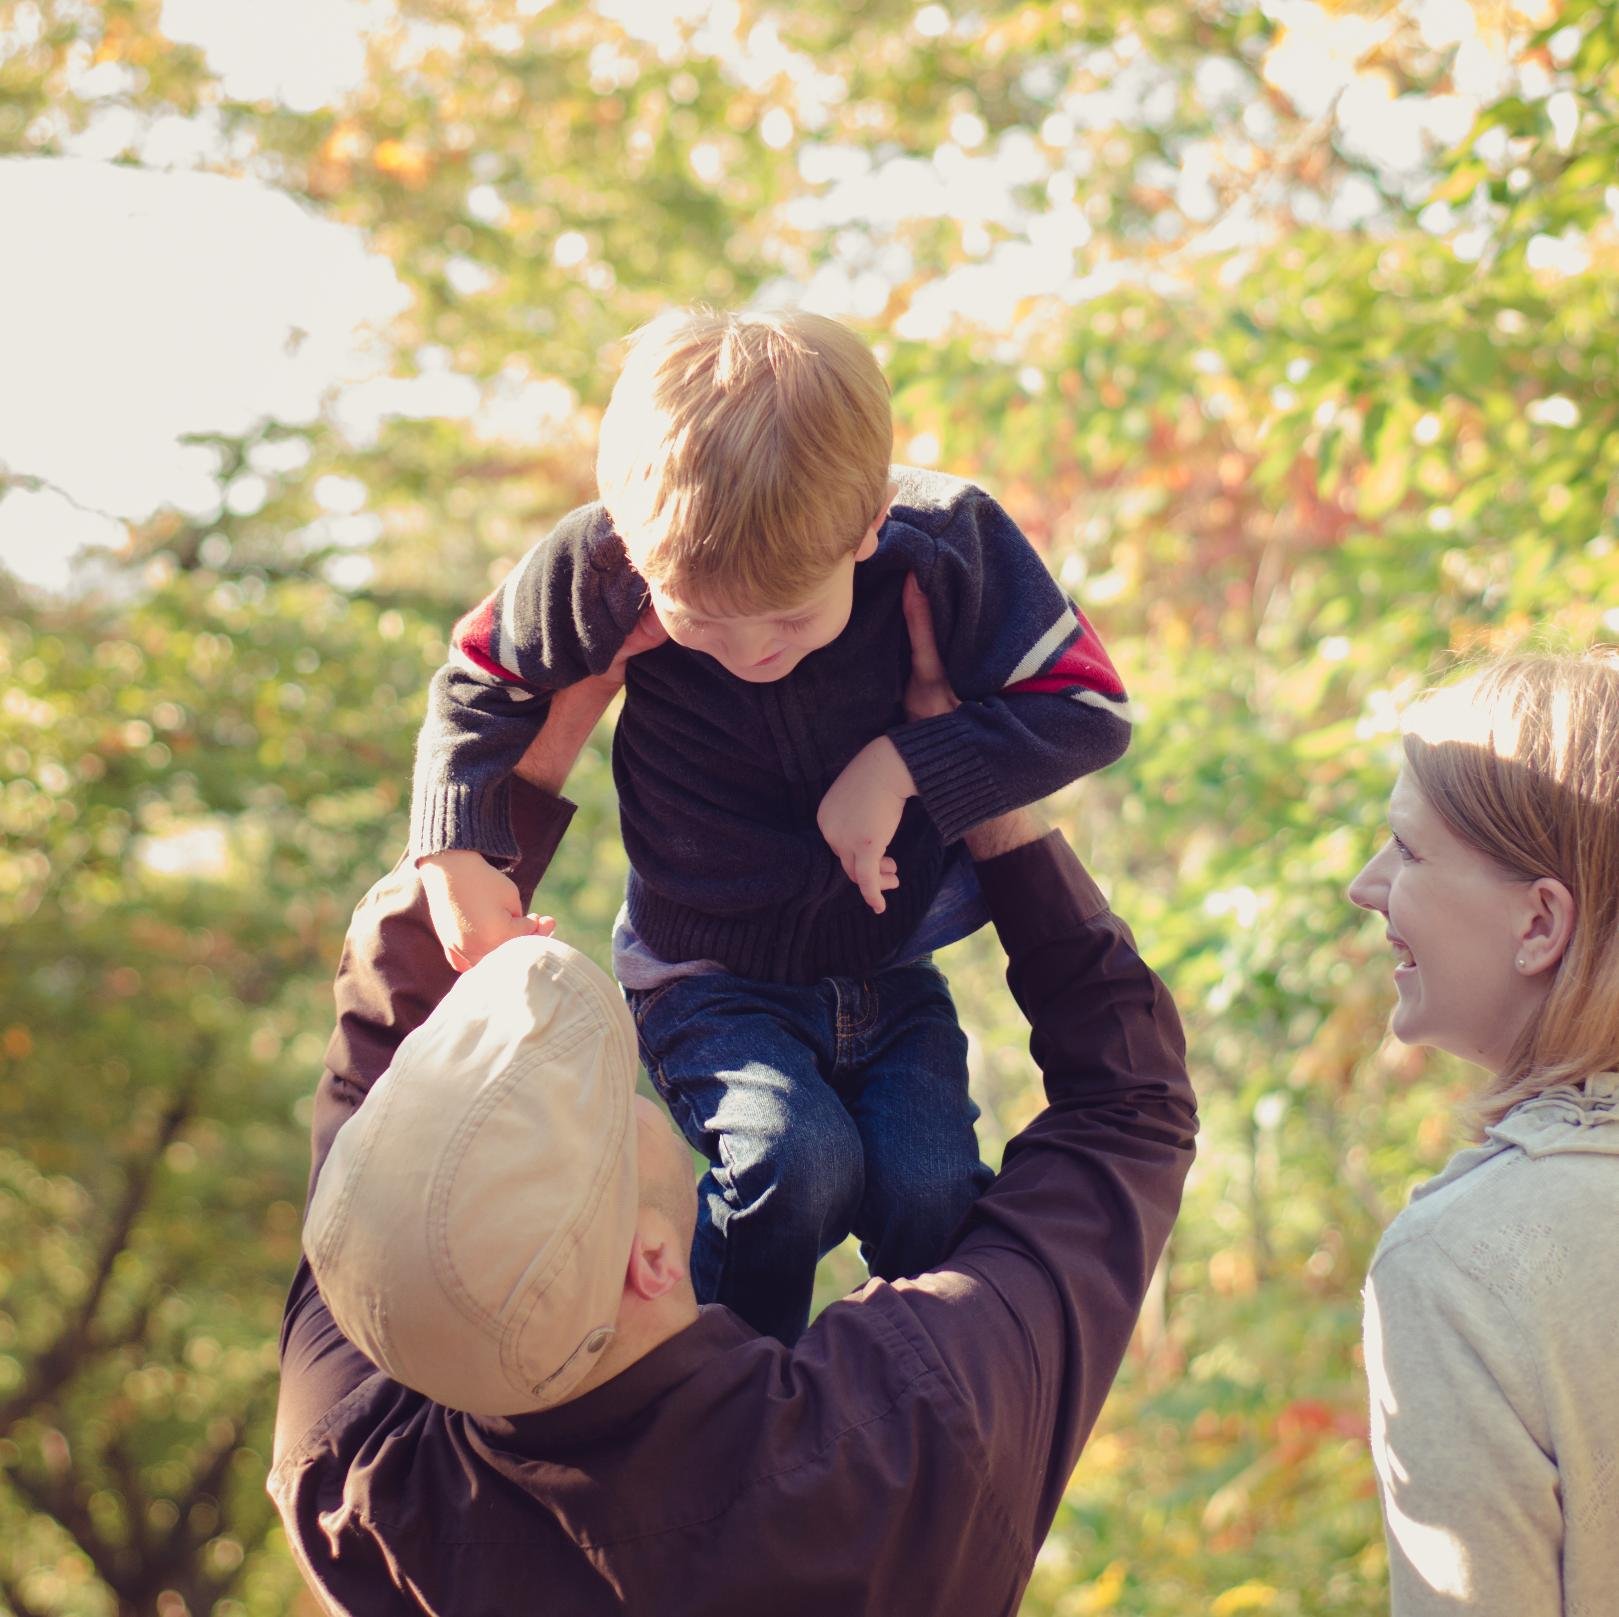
(1046,647)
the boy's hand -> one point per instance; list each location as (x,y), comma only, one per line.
(474,907)
(860,813)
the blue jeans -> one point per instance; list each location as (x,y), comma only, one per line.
(837,1108)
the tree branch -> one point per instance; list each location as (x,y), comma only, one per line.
(67,1507)
(208,1478)
(59,1362)
(135,1498)
(32,483)
(210,1587)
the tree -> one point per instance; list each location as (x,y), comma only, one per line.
(1281,329)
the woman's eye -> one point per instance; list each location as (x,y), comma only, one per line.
(794,625)
(1404,852)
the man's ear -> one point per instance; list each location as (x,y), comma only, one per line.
(1547,925)
(657,1261)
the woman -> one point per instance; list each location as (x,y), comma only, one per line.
(1492,1309)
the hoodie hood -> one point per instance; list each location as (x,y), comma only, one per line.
(1566,1119)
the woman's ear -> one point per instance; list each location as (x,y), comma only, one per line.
(1547,926)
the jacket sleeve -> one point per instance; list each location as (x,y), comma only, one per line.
(1041,704)
(560,615)
(1469,1486)
(1030,1316)
(391,975)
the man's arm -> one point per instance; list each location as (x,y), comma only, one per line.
(392,973)
(1031,1314)
(393,970)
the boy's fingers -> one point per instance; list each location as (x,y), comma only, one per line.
(869,882)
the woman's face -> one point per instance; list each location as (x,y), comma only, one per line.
(1457,926)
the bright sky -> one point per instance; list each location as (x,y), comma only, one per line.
(151,303)
(154,303)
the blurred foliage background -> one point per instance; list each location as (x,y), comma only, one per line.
(1286,330)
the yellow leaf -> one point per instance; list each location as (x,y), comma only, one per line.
(1102,1594)
(1243,1597)
(407,164)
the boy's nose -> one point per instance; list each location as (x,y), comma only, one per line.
(752,646)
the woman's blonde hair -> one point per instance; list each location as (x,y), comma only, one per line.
(1520,758)
(743,455)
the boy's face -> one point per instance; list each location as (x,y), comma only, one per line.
(764,647)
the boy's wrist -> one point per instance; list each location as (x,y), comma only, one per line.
(449,858)
(893,772)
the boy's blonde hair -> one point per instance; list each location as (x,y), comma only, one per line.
(743,455)
(1521,760)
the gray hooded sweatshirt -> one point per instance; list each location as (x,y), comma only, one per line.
(1492,1349)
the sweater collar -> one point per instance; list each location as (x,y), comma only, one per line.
(1564,1119)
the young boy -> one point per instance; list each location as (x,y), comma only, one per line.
(793,844)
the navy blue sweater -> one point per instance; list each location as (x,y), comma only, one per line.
(719,779)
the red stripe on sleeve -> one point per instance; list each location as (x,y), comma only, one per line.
(474,638)
(1083,663)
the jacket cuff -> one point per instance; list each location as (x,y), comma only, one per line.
(955,785)
(538,821)
(448,816)
(1038,893)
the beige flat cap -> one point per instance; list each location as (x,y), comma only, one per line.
(472,1225)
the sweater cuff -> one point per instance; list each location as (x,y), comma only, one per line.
(1038,893)
(955,785)
(447,816)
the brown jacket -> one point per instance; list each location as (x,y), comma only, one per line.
(908,1455)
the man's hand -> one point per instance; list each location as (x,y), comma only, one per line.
(575,709)
(928,695)
(647,633)
(860,813)
(474,907)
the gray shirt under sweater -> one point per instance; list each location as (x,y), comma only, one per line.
(1492,1350)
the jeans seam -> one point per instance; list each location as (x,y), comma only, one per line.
(848,1028)
(642,1000)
